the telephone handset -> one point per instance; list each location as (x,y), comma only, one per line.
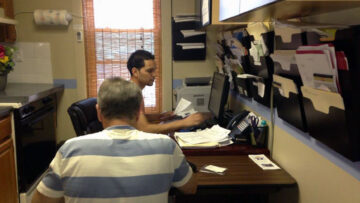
(240,127)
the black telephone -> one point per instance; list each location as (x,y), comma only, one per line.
(240,127)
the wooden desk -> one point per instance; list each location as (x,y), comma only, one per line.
(241,171)
(234,149)
(243,180)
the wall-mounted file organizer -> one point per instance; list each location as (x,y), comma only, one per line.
(264,69)
(246,41)
(269,40)
(285,63)
(261,90)
(297,39)
(187,52)
(328,122)
(288,100)
(244,86)
(260,87)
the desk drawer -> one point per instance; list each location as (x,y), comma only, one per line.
(5,127)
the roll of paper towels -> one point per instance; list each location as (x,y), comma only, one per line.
(52,17)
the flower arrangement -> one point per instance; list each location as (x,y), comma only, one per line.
(6,59)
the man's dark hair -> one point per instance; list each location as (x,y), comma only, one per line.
(118,99)
(137,59)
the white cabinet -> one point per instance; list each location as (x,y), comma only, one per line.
(265,10)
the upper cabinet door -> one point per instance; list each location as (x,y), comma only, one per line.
(265,10)
(7,32)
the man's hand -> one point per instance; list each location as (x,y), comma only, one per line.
(195,119)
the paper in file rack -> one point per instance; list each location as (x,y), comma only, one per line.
(190,33)
(185,46)
(318,67)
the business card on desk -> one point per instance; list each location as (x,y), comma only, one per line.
(263,162)
(213,169)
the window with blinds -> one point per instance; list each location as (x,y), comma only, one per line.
(113,30)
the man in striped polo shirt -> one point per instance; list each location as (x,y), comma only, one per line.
(120,163)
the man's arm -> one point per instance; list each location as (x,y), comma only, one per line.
(40,198)
(144,125)
(159,117)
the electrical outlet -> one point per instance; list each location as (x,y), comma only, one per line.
(79,36)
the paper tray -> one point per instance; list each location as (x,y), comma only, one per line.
(289,103)
(327,121)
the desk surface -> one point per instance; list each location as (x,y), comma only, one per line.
(241,171)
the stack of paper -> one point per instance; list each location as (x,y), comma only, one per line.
(215,136)
(184,108)
(318,67)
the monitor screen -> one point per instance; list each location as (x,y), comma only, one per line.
(218,95)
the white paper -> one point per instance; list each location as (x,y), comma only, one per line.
(184,108)
(247,76)
(185,46)
(190,33)
(213,134)
(320,62)
(263,162)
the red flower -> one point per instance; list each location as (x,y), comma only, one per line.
(2,51)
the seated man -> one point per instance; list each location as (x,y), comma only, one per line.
(142,68)
(120,163)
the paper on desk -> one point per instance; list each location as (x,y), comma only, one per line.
(213,169)
(213,134)
(263,162)
(184,108)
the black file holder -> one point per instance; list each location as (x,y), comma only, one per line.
(298,39)
(263,99)
(280,69)
(244,86)
(187,54)
(329,122)
(264,71)
(288,100)
(269,38)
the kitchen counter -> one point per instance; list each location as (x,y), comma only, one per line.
(4,111)
(18,94)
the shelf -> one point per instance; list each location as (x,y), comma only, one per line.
(287,9)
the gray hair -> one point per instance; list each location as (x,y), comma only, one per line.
(119,99)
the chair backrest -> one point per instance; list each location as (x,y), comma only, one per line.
(84,117)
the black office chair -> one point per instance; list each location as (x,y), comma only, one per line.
(84,117)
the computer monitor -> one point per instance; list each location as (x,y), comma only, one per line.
(218,96)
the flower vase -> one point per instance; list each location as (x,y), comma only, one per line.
(3,80)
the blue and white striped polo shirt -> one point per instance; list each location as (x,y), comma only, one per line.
(119,164)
